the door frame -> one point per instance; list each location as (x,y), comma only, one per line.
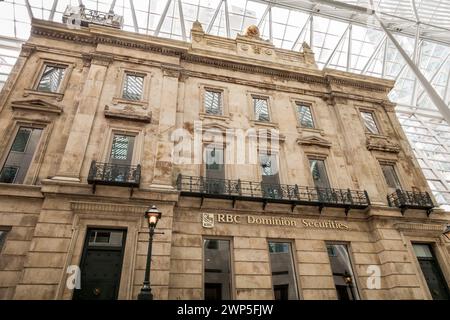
(122,251)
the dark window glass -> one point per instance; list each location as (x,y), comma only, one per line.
(283,271)
(213,102)
(217,264)
(305,116)
(215,170)
(369,122)
(133,87)
(51,78)
(319,173)
(343,275)
(270,176)
(391,176)
(20,156)
(431,271)
(3,234)
(261,107)
(122,148)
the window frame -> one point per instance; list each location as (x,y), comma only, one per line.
(269,112)
(232,271)
(137,150)
(294,265)
(299,103)
(327,171)
(64,81)
(382,163)
(222,101)
(127,73)
(375,119)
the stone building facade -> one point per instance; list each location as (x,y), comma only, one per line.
(96,124)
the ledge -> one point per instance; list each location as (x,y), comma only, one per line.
(57,96)
(20,190)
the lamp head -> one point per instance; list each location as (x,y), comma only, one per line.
(153,215)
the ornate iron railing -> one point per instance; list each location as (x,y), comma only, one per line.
(411,200)
(278,193)
(114,175)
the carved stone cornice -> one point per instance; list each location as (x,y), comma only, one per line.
(106,207)
(128,112)
(437,228)
(102,59)
(383,144)
(171,71)
(314,141)
(36,105)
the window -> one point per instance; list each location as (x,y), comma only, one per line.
(270,176)
(133,87)
(213,102)
(261,107)
(3,233)
(122,149)
(319,173)
(369,122)
(51,78)
(20,155)
(217,262)
(391,176)
(283,271)
(431,271)
(105,238)
(305,117)
(215,170)
(343,275)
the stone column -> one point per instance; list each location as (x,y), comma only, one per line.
(162,178)
(77,143)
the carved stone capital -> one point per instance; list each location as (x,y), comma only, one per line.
(171,71)
(382,144)
(27,50)
(101,59)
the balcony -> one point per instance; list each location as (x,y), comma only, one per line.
(114,175)
(411,200)
(272,193)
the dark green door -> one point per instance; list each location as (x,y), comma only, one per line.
(101,265)
(432,272)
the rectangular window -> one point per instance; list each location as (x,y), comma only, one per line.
(215,170)
(20,155)
(270,176)
(3,233)
(343,275)
(391,176)
(133,87)
(261,107)
(213,102)
(283,271)
(431,271)
(122,149)
(51,79)
(319,173)
(305,117)
(369,122)
(217,262)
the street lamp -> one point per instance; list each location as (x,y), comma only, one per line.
(152,215)
(446,232)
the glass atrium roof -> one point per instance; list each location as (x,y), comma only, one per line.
(344,35)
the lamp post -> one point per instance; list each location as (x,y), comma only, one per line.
(446,232)
(152,215)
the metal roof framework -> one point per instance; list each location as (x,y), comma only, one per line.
(403,40)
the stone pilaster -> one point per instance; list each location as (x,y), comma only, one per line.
(75,150)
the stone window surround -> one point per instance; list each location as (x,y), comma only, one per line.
(35,164)
(232,272)
(294,262)
(225,101)
(258,95)
(352,263)
(145,97)
(376,117)
(442,256)
(398,172)
(43,63)
(138,143)
(312,105)
(326,160)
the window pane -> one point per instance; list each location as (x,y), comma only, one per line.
(319,173)
(213,102)
(422,251)
(369,122)
(217,269)
(120,147)
(305,116)
(51,79)
(2,238)
(261,109)
(344,278)
(133,87)
(391,177)
(283,271)
(20,156)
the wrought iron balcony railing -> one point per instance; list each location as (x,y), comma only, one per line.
(114,175)
(276,193)
(411,200)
